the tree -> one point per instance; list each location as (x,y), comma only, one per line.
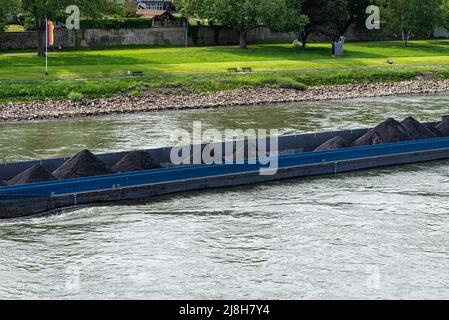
(240,15)
(296,20)
(357,13)
(328,17)
(444,22)
(52,9)
(7,11)
(408,18)
(125,8)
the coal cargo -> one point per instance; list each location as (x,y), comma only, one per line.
(334,144)
(135,161)
(443,126)
(35,174)
(82,165)
(432,127)
(416,130)
(389,131)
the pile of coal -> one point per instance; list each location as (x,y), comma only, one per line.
(443,126)
(135,161)
(389,131)
(334,144)
(84,164)
(416,130)
(36,173)
(432,127)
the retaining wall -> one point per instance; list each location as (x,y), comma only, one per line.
(28,39)
(160,36)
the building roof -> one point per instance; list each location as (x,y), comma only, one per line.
(147,13)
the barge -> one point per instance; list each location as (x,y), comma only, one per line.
(296,156)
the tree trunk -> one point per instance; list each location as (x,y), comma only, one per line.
(405,38)
(304,37)
(41,39)
(216,36)
(243,40)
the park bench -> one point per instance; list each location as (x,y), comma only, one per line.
(136,73)
(247,69)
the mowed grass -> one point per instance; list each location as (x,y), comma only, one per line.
(205,69)
(261,57)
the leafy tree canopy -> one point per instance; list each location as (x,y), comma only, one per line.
(8,9)
(53,9)
(328,17)
(245,15)
(408,18)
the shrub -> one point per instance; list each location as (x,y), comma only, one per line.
(114,24)
(289,83)
(135,93)
(75,96)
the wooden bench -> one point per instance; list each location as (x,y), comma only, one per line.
(247,69)
(137,73)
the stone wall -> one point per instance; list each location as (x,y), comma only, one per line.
(28,39)
(207,36)
(352,34)
(168,36)
(160,36)
(18,40)
(150,36)
(441,33)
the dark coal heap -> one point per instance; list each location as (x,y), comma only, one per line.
(135,161)
(389,131)
(35,174)
(334,144)
(84,164)
(416,130)
(433,129)
(443,127)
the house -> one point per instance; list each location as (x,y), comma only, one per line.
(156,5)
(156,15)
(161,18)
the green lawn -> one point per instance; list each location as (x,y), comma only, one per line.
(205,68)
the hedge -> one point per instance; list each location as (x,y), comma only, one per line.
(107,24)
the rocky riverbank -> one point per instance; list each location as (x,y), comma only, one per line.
(158,102)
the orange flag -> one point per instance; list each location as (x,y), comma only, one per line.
(51,37)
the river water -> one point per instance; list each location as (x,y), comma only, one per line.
(375,234)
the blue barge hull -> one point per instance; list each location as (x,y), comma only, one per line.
(294,161)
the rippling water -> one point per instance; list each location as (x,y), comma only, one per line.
(374,234)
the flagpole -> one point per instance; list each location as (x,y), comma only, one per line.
(46,46)
(187,32)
